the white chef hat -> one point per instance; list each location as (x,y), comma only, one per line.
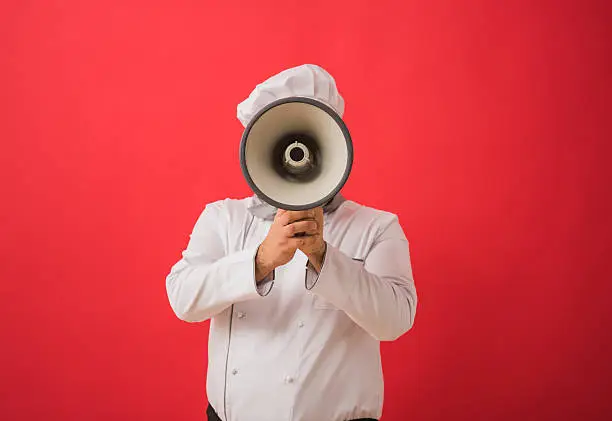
(307,80)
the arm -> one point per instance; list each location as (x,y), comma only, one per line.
(378,294)
(207,280)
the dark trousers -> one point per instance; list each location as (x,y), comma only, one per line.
(212,415)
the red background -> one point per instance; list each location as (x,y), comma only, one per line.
(484,124)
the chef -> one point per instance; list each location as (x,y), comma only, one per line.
(296,322)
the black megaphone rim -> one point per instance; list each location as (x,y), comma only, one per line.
(349,146)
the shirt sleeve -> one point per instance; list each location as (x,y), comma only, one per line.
(378,293)
(207,280)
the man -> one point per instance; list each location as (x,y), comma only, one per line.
(295,321)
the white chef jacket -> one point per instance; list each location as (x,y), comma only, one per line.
(300,346)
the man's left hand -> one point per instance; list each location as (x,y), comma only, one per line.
(314,246)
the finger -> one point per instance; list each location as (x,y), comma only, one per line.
(297,242)
(308,227)
(319,215)
(307,242)
(300,215)
(282,217)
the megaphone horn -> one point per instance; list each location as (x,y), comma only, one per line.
(296,153)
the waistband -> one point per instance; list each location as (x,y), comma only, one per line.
(212,415)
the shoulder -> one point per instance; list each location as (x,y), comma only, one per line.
(231,205)
(226,210)
(358,211)
(356,223)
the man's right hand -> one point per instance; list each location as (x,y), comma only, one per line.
(281,244)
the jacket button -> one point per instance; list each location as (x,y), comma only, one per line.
(241,315)
(234,371)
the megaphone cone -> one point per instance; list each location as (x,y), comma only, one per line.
(296,153)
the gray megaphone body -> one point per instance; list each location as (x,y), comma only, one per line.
(296,153)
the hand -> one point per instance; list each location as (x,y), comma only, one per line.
(281,243)
(315,246)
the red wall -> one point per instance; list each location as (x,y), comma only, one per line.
(483,124)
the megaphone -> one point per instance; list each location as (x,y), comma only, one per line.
(296,153)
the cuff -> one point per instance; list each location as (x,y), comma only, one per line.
(312,276)
(265,285)
(241,272)
(331,282)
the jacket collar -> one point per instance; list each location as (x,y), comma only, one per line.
(263,210)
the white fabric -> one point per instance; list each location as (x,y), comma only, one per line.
(307,80)
(304,347)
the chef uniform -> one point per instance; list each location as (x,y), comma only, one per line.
(301,345)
